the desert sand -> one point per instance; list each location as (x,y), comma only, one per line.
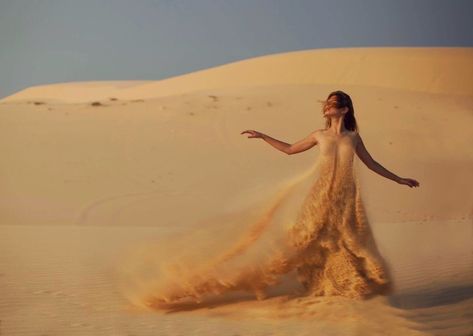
(98,179)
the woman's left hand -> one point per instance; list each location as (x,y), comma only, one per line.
(408,181)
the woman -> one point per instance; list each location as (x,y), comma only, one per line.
(337,253)
(314,229)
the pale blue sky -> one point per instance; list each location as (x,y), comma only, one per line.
(50,41)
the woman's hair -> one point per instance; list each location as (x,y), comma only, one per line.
(343,100)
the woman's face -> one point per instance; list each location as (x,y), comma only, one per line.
(331,109)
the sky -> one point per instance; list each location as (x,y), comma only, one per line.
(54,41)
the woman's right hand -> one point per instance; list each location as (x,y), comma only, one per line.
(253,134)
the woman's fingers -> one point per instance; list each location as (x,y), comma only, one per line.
(253,134)
(412,183)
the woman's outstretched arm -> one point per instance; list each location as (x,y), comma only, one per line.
(300,146)
(378,168)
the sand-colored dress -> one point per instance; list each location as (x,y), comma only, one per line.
(315,228)
(338,253)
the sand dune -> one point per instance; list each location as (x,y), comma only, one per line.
(434,70)
(89,191)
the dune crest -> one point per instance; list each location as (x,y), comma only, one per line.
(432,70)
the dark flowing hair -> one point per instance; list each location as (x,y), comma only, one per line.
(343,100)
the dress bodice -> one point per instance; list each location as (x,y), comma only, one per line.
(336,152)
(340,145)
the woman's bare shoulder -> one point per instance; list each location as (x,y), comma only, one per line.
(357,137)
(318,133)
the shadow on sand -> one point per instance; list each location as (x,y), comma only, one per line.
(431,297)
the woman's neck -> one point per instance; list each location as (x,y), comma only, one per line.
(337,128)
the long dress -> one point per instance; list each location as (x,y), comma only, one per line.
(339,254)
(315,228)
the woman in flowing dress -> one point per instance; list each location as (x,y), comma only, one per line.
(316,229)
(339,255)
